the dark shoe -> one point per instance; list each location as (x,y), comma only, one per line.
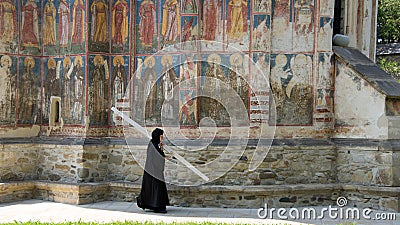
(139,203)
(160,211)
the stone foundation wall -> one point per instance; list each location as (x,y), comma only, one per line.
(59,162)
(371,163)
(296,172)
(18,162)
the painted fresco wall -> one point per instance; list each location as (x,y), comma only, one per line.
(86,51)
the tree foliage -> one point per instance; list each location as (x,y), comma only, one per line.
(390,66)
(388,21)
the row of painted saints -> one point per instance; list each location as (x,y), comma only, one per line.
(58,28)
(65,79)
(69,85)
(211,27)
(157,97)
(53,33)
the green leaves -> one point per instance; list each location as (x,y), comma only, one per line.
(390,66)
(388,21)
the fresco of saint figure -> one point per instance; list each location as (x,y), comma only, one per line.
(282,31)
(262,6)
(99,10)
(99,92)
(28,93)
(325,32)
(51,85)
(147,24)
(298,90)
(30,25)
(237,20)
(78,23)
(261,33)
(261,70)
(304,11)
(280,74)
(168,83)
(189,6)
(119,80)
(327,8)
(78,94)
(187,30)
(188,109)
(150,94)
(171,23)
(49,25)
(324,81)
(67,88)
(119,28)
(63,24)
(237,78)
(210,107)
(7,91)
(211,19)
(9,24)
(188,73)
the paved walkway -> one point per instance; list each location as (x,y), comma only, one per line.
(43,211)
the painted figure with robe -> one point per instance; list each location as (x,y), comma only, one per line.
(187,31)
(78,23)
(304,12)
(188,108)
(237,20)
(168,83)
(28,93)
(171,22)
(49,26)
(262,6)
(210,106)
(9,23)
(99,10)
(30,24)
(189,6)
(63,23)
(147,24)
(237,79)
(7,91)
(120,28)
(99,93)
(78,93)
(67,88)
(261,33)
(298,91)
(188,73)
(119,80)
(211,19)
(51,85)
(150,94)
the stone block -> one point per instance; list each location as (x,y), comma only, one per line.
(83,172)
(115,159)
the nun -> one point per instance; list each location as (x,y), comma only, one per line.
(154,195)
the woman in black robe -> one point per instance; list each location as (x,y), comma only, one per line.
(153,194)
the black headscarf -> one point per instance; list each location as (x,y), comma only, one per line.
(155,136)
(155,160)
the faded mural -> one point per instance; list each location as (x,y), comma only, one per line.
(86,52)
(8,83)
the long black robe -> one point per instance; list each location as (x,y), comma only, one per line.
(153,194)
